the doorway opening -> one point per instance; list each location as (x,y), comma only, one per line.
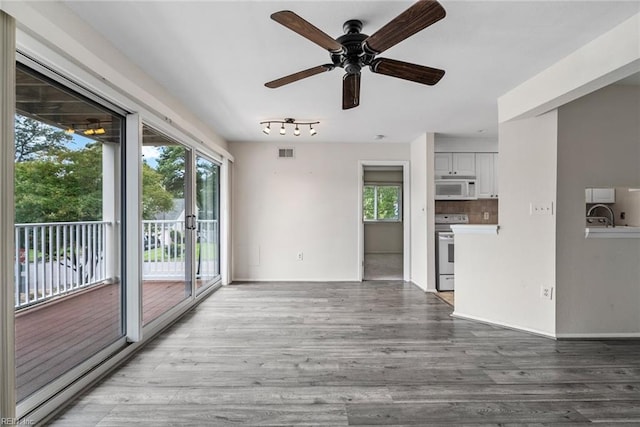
(383,222)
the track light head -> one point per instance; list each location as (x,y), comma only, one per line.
(312,131)
(283,131)
(267,129)
(296,131)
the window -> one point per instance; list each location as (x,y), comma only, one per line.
(382,202)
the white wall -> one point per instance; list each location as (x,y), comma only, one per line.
(499,278)
(419,199)
(610,57)
(307,204)
(598,279)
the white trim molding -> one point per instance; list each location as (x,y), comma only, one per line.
(458,315)
(406,214)
(7,219)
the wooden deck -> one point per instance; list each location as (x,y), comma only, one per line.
(54,337)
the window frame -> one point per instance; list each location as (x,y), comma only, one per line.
(376,186)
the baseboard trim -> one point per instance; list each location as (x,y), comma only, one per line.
(503,325)
(600,336)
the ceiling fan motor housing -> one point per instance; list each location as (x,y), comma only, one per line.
(353,57)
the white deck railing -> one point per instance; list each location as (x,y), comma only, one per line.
(54,259)
(163,254)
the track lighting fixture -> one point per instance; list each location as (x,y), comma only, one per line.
(288,121)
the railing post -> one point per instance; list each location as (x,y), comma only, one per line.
(109,208)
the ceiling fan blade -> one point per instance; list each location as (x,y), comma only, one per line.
(416,18)
(298,76)
(307,30)
(407,71)
(350,91)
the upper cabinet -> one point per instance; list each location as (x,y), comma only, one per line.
(487,175)
(454,164)
(600,195)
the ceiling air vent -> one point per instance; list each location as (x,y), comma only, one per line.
(285,153)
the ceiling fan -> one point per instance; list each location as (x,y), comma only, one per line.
(355,50)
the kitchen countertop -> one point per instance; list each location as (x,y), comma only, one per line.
(475,228)
(617,232)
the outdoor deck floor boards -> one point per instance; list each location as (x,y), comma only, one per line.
(51,338)
(371,353)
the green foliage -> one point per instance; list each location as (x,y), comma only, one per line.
(207,189)
(171,166)
(381,202)
(155,198)
(34,139)
(369,203)
(388,202)
(61,186)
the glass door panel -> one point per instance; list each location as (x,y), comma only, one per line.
(68,296)
(166,249)
(208,224)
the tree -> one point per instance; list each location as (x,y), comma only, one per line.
(61,187)
(171,167)
(155,198)
(35,139)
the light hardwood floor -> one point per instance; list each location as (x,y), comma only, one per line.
(371,353)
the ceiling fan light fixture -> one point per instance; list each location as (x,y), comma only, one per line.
(354,50)
(100,131)
(89,131)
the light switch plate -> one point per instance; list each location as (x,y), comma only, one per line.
(541,208)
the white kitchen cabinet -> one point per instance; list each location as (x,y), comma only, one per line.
(487,175)
(455,164)
(600,195)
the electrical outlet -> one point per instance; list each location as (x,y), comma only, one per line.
(541,208)
(300,256)
(546,292)
(485,215)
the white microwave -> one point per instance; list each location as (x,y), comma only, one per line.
(456,189)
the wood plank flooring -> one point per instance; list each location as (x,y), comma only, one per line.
(356,354)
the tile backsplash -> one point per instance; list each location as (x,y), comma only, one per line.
(474,208)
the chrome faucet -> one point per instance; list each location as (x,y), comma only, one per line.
(609,210)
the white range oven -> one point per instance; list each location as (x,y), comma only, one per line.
(445,249)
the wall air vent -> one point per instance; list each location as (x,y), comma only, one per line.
(285,153)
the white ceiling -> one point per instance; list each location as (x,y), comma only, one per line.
(215,56)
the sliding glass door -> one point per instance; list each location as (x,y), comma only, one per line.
(208,221)
(68,293)
(166,224)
